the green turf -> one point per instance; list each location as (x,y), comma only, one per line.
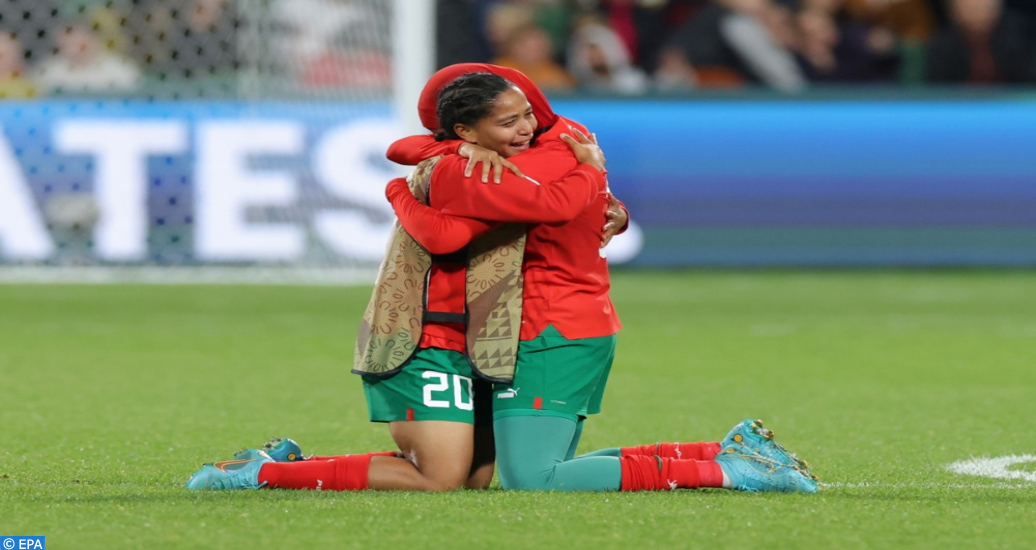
(110,396)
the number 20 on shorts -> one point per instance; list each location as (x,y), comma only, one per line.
(441,384)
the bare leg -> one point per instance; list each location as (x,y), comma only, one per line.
(438,457)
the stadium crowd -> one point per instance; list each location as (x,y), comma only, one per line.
(626,47)
(638,46)
(113,47)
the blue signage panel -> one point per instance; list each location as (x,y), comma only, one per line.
(709,183)
(824,183)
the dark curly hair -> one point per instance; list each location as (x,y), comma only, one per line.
(466,100)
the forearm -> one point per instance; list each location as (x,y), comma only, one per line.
(625,225)
(410,151)
(437,232)
(523,200)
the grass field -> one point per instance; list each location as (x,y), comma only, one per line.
(110,396)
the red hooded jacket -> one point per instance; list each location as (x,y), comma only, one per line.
(566,274)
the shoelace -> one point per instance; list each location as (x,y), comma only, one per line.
(769,447)
(801,465)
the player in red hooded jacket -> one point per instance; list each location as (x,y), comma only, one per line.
(567,336)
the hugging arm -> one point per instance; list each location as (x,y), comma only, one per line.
(410,151)
(520,200)
(523,201)
(617,220)
(437,232)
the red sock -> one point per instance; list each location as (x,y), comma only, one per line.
(346,473)
(702,450)
(333,457)
(655,473)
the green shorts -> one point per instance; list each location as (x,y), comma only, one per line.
(435,384)
(557,377)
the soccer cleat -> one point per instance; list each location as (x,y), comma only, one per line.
(241,472)
(749,471)
(283,450)
(758,439)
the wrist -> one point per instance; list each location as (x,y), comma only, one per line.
(392,190)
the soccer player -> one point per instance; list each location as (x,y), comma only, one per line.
(569,325)
(555,427)
(430,400)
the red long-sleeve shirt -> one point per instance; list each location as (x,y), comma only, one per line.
(566,274)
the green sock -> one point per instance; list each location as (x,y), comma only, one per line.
(610,451)
(531,452)
(575,440)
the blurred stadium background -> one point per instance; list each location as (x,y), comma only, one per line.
(185,139)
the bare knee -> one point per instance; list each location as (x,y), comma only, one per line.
(391,473)
(441,481)
(436,474)
(439,451)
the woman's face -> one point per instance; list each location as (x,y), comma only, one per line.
(507,129)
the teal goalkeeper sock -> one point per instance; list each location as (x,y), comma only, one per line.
(531,452)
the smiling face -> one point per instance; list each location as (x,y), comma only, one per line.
(507,129)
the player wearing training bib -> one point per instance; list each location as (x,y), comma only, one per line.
(567,334)
(568,331)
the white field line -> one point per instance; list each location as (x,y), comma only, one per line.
(992,468)
(997,468)
(924,486)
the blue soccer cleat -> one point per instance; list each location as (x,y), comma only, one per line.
(283,450)
(241,472)
(759,440)
(750,471)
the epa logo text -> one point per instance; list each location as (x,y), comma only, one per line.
(23,543)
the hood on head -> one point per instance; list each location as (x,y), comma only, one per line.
(426,104)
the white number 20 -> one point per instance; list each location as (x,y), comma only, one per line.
(443,384)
